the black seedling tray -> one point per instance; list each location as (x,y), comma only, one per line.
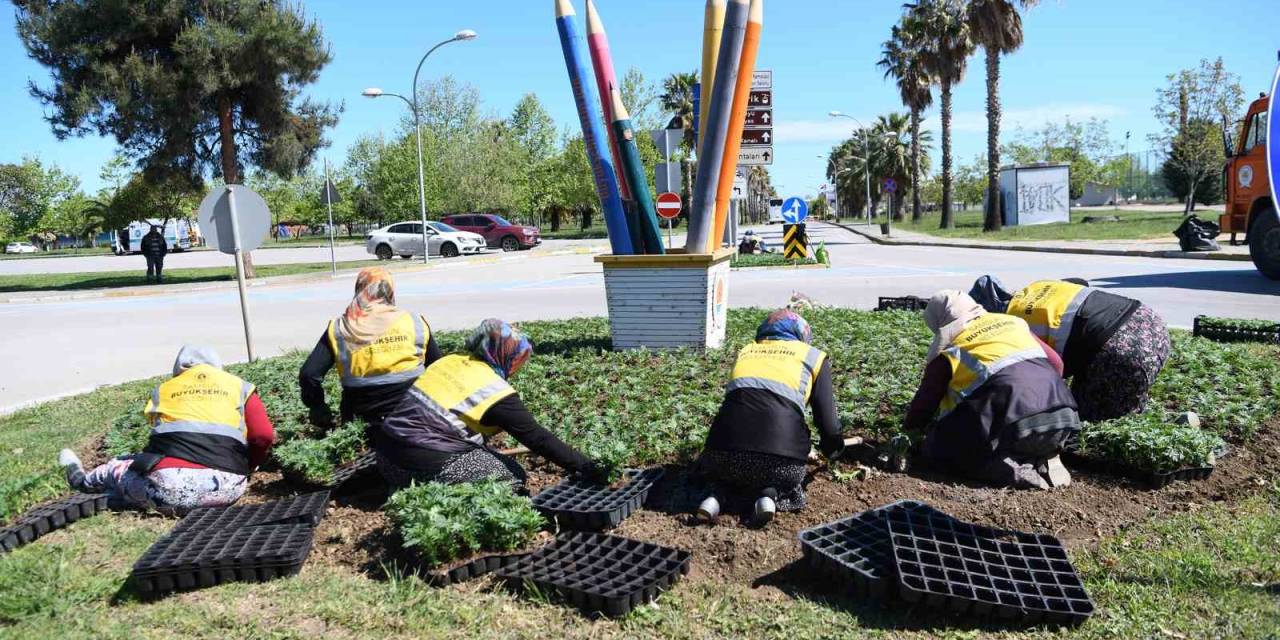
(476,568)
(307,509)
(1219,333)
(906,303)
(192,559)
(987,572)
(581,505)
(341,474)
(599,573)
(1150,479)
(854,553)
(50,516)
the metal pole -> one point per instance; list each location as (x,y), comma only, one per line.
(244,299)
(328,198)
(669,241)
(866,170)
(422,184)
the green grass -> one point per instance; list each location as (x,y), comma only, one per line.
(113,280)
(571,232)
(1133,225)
(57,253)
(746,261)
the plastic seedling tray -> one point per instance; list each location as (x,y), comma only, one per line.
(581,505)
(966,568)
(599,573)
(193,559)
(1221,333)
(471,569)
(307,508)
(341,474)
(854,553)
(1151,479)
(905,303)
(50,516)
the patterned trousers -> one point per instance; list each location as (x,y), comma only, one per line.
(173,491)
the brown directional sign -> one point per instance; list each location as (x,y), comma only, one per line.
(760,99)
(757,137)
(762,118)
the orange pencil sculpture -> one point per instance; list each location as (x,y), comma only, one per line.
(737,120)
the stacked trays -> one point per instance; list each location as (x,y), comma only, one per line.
(965,568)
(855,552)
(599,573)
(246,543)
(1219,332)
(906,303)
(580,505)
(50,516)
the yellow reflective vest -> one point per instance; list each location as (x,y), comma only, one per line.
(461,389)
(396,356)
(198,416)
(1049,307)
(987,345)
(785,367)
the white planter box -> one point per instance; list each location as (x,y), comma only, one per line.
(667,302)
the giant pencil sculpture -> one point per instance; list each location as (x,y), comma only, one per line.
(633,168)
(737,120)
(602,61)
(593,135)
(711,151)
(711,29)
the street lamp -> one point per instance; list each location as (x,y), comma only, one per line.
(374,92)
(866,150)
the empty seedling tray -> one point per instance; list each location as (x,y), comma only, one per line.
(904,303)
(855,552)
(599,573)
(581,505)
(307,509)
(966,568)
(191,559)
(50,516)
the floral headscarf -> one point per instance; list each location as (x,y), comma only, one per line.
(784,324)
(371,311)
(502,346)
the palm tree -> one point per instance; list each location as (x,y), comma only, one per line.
(903,61)
(945,48)
(997,27)
(891,154)
(677,100)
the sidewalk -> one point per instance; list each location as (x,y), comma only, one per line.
(1155,248)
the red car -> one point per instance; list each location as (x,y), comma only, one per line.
(496,230)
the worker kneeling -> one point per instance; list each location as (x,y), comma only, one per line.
(209,431)
(759,442)
(1002,410)
(438,430)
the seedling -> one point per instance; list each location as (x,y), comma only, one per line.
(443,522)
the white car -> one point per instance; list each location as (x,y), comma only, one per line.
(20,247)
(404,239)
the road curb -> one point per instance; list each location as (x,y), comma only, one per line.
(1131,253)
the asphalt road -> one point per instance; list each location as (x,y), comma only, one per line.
(61,348)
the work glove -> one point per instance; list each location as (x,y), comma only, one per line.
(832,448)
(323,420)
(595,472)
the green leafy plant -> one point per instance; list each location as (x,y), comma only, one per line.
(611,454)
(1239,324)
(1149,442)
(743,261)
(128,434)
(316,459)
(447,522)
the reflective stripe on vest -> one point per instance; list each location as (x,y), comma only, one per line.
(784,367)
(464,387)
(394,357)
(204,400)
(1049,307)
(988,345)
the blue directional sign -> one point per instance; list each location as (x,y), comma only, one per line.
(890,185)
(795,210)
(1273,139)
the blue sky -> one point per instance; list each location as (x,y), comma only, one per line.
(1082,58)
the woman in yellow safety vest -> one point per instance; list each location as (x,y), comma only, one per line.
(759,442)
(439,429)
(378,348)
(1112,347)
(992,399)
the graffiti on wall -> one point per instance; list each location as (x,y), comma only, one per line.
(1043,198)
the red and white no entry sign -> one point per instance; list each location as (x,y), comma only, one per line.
(669,205)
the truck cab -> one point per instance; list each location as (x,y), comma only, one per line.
(1249,208)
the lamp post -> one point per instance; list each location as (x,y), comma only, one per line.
(866,150)
(374,92)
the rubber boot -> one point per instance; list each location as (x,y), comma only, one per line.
(765,507)
(709,510)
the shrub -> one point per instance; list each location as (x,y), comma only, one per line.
(447,522)
(1149,442)
(316,459)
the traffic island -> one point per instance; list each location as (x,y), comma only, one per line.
(672,301)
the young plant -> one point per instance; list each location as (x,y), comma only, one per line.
(316,459)
(610,453)
(128,434)
(1148,442)
(443,522)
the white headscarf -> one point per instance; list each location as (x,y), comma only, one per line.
(947,314)
(191,355)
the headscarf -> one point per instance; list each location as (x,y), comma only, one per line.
(500,345)
(989,292)
(371,311)
(784,324)
(947,314)
(191,355)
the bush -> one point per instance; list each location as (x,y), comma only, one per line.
(316,459)
(743,261)
(1149,442)
(442,523)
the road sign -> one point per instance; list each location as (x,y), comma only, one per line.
(760,99)
(739,185)
(890,185)
(666,176)
(329,193)
(760,118)
(669,205)
(762,80)
(795,210)
(757,137)
(795,243)
(1273,141)
(755,156)
(668,140)
(252,217)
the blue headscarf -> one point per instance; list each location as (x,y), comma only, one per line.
(989,292)
(502,346)
(784,324)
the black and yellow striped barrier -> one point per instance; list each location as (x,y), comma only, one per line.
(794,242)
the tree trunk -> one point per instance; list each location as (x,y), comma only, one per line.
(915,165)
(230,172)
(991,221)
(947,221)
(1191,198)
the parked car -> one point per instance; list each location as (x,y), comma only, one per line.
(20,247)
(497,231)
(404,239)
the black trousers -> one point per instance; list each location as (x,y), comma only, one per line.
(154,265)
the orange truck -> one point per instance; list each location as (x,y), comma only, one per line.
(1250,201)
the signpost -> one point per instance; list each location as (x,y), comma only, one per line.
(234,219)
(890,186)
(794,240)
(795,210)
(757,133)
(668,208)
(330,196)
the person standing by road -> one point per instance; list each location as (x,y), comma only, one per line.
(154,248)
(1112,347)
(992,402)
(379,349)
(209,431)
